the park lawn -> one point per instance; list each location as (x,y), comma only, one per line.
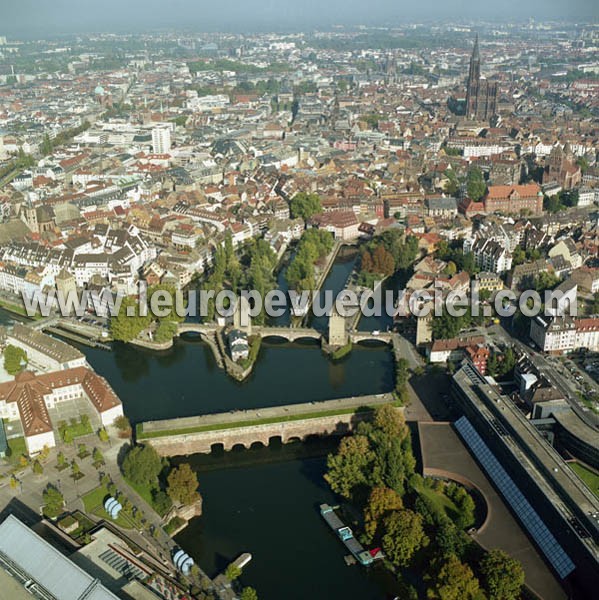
(93,503)
(16,448)
(440,501)
(146,492)
(590,478)
(79,429)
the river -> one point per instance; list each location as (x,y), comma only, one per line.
(271,511)
(185,380)
(250,502)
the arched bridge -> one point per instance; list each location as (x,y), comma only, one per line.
(290,334)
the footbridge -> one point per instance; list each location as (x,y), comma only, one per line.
(248,428)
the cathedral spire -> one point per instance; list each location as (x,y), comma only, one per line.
(475,52)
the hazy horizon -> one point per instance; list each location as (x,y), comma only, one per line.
(39,17)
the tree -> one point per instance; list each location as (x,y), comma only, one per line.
(183,485)
(381,502)
(142,465)
(366,262)
(452,580)
(75,469)
(403,536)
(464,503)
(518,256)
(53,502)
(449,539)
(249,593)
(502,575)
(552,203)
(46,145)
(161,502)
(475,184)
(126,327)
(97,456)
(122,424)
(583,163)
(232,572)
(103,434)
(62,461)
(390,421)
(14,482)
(350,467)
(165,331)
(15,359)
(546,281)
(37,467)
(314,245)
(304,205)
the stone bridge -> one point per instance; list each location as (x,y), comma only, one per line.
(290,334)
(246,428)
(197,328)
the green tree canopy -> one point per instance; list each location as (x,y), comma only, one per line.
(142,465)
(381,502)
(404,535)
(502,575)
(350,466)
(304,205)
(13,357)
(314,244)
(452,580)
(249,593)
(126,327)
(390,421)
(475,184)
(53,502)
(183,485)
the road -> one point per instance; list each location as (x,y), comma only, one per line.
(543,364)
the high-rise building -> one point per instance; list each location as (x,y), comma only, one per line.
(481,94)
(161,139)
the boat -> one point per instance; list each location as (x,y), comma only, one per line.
(346,535)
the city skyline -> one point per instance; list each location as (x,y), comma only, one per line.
(67,16)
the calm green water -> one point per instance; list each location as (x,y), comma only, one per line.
(271,511)
(185,380)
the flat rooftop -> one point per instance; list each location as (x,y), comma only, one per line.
(529,447)
(443,453)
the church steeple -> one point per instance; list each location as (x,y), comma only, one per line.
(475,52)
(481,95)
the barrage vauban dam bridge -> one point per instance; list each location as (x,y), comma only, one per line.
(247,428)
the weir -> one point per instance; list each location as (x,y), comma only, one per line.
(190,435)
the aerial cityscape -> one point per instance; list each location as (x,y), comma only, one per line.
(299,301)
